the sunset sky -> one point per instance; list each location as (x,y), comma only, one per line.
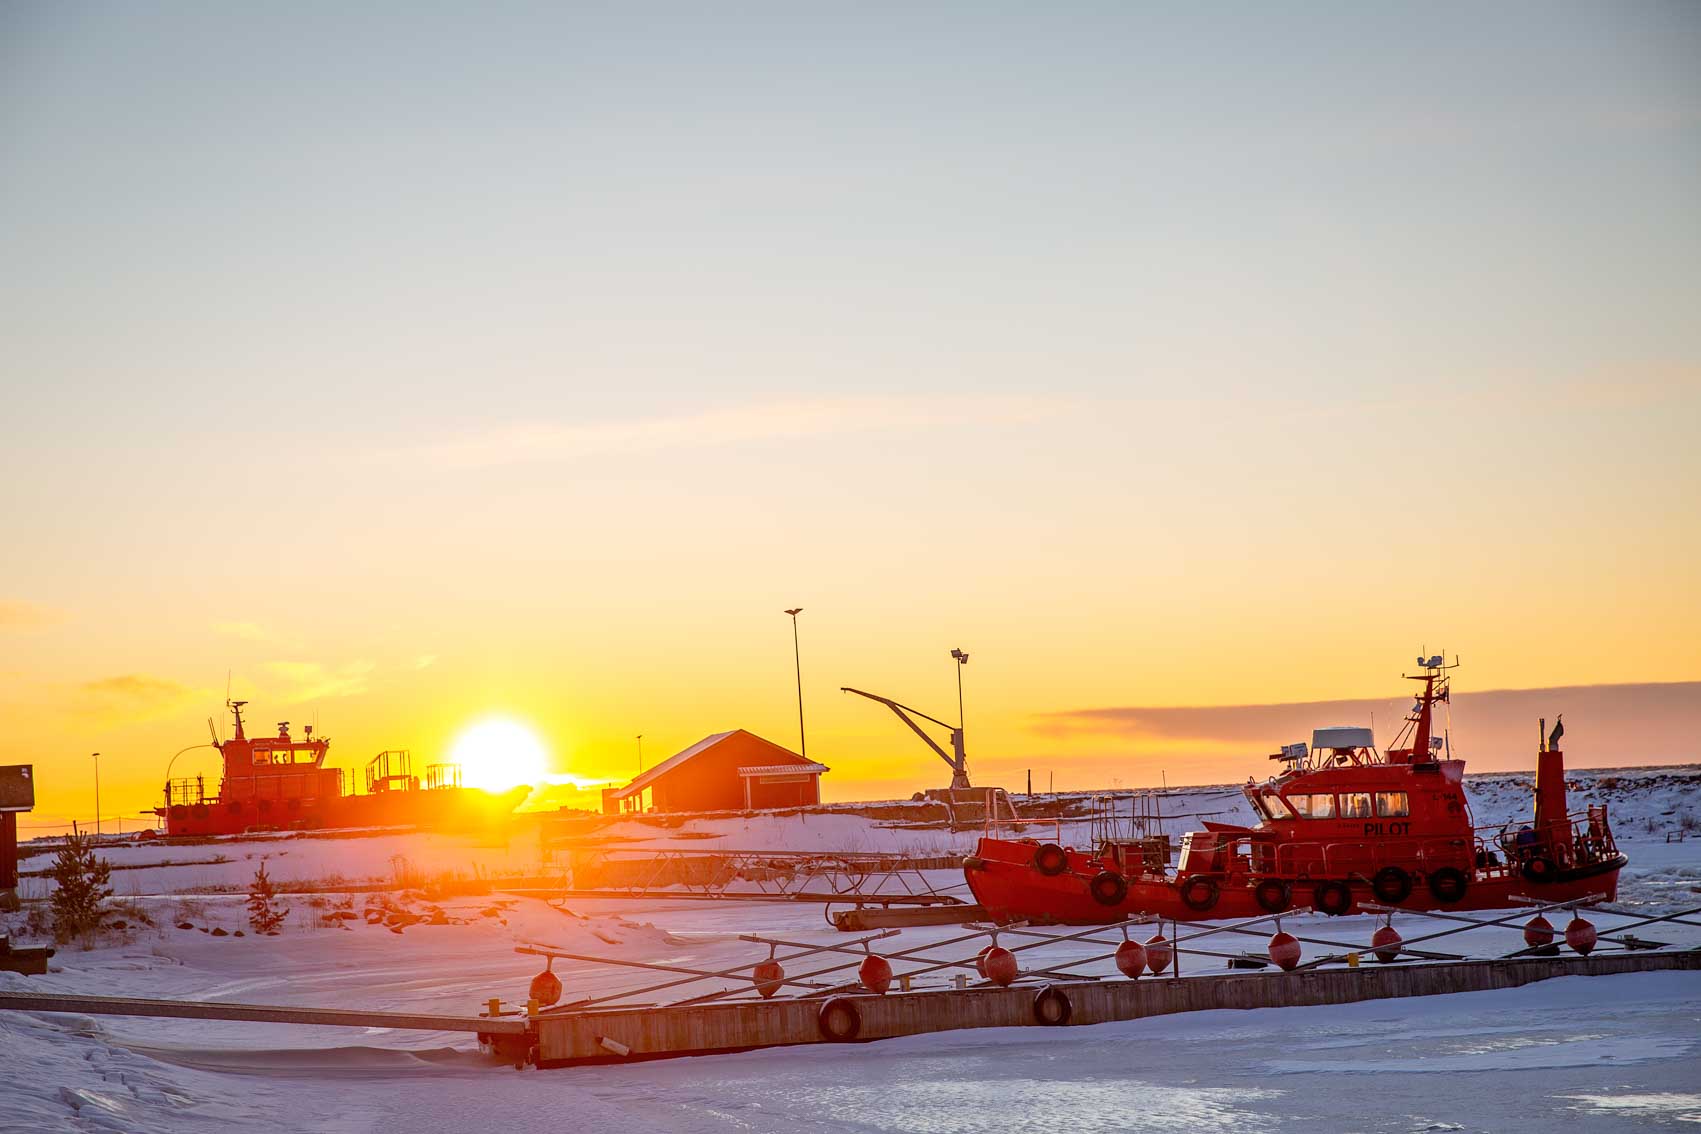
(417,364)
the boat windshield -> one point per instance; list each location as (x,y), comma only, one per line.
(1274,807)
(1313,806)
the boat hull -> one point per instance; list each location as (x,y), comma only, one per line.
(1004,880)
(438,809)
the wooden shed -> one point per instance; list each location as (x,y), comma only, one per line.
(729,771)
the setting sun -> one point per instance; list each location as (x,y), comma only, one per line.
(498,754)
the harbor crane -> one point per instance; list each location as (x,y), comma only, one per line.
(957,758)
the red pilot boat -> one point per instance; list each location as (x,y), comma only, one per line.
(1342,824)
(281,783)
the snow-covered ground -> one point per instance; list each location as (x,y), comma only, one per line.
(1576,1054)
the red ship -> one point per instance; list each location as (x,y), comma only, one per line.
(281,783)
(1341,825)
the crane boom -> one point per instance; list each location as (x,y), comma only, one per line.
(957,760)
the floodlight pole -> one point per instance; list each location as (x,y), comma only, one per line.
(962,660)
(640,752)
(797,662)
(97,796)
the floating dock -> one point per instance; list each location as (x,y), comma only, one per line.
(568,1038)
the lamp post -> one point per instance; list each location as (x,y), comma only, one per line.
(640,752)
(962,660)
(797,662)
(97,796)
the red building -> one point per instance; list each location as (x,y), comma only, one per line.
(729,771)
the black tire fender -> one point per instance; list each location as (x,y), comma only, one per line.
(1050,860)
(1391,885)
(1200,894)
(1332,898)
(1539,868)
(839,1020)
(1108,888)
(1447,885)
(1052,1008)
(1273,895)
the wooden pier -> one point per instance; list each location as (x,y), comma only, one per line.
(257,1013)
(566,1038)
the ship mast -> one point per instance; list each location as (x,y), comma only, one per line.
(1421,722)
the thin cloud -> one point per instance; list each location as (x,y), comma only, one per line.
(132,697)
(15,614)
(314,681)
(772,421)
(1632,723)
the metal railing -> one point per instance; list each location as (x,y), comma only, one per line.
(765,977)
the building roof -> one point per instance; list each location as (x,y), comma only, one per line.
(650,776)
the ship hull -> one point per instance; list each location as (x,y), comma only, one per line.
(1005,881)
(437,809)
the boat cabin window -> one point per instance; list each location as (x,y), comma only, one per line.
(1275,807)
(1392,803)
(1313,806)
(282,756)
(1355,805)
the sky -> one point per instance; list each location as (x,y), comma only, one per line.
(401,366)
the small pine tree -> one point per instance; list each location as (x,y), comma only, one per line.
(263,916)
(80,886)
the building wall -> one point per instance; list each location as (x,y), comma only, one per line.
(710,781)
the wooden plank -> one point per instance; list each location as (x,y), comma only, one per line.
(739,896)
(566,1038)
(857,920)
(256,1013)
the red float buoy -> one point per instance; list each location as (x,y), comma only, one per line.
(1000,965)
(1131,959)
(980,960)
(1581,936)
(1538,931)
(546,988)
(876,974)
(768,977)
(1284,950)
(1385,943)
(1158,953)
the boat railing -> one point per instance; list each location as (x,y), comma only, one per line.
(1346,857)
(1580,838)
(185,792)
(994,826)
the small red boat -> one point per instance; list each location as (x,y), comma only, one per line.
(1342,824)
(281,783)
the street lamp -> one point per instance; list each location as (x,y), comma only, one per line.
(797,661)
(640,752)
(97,795)
(962,660)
